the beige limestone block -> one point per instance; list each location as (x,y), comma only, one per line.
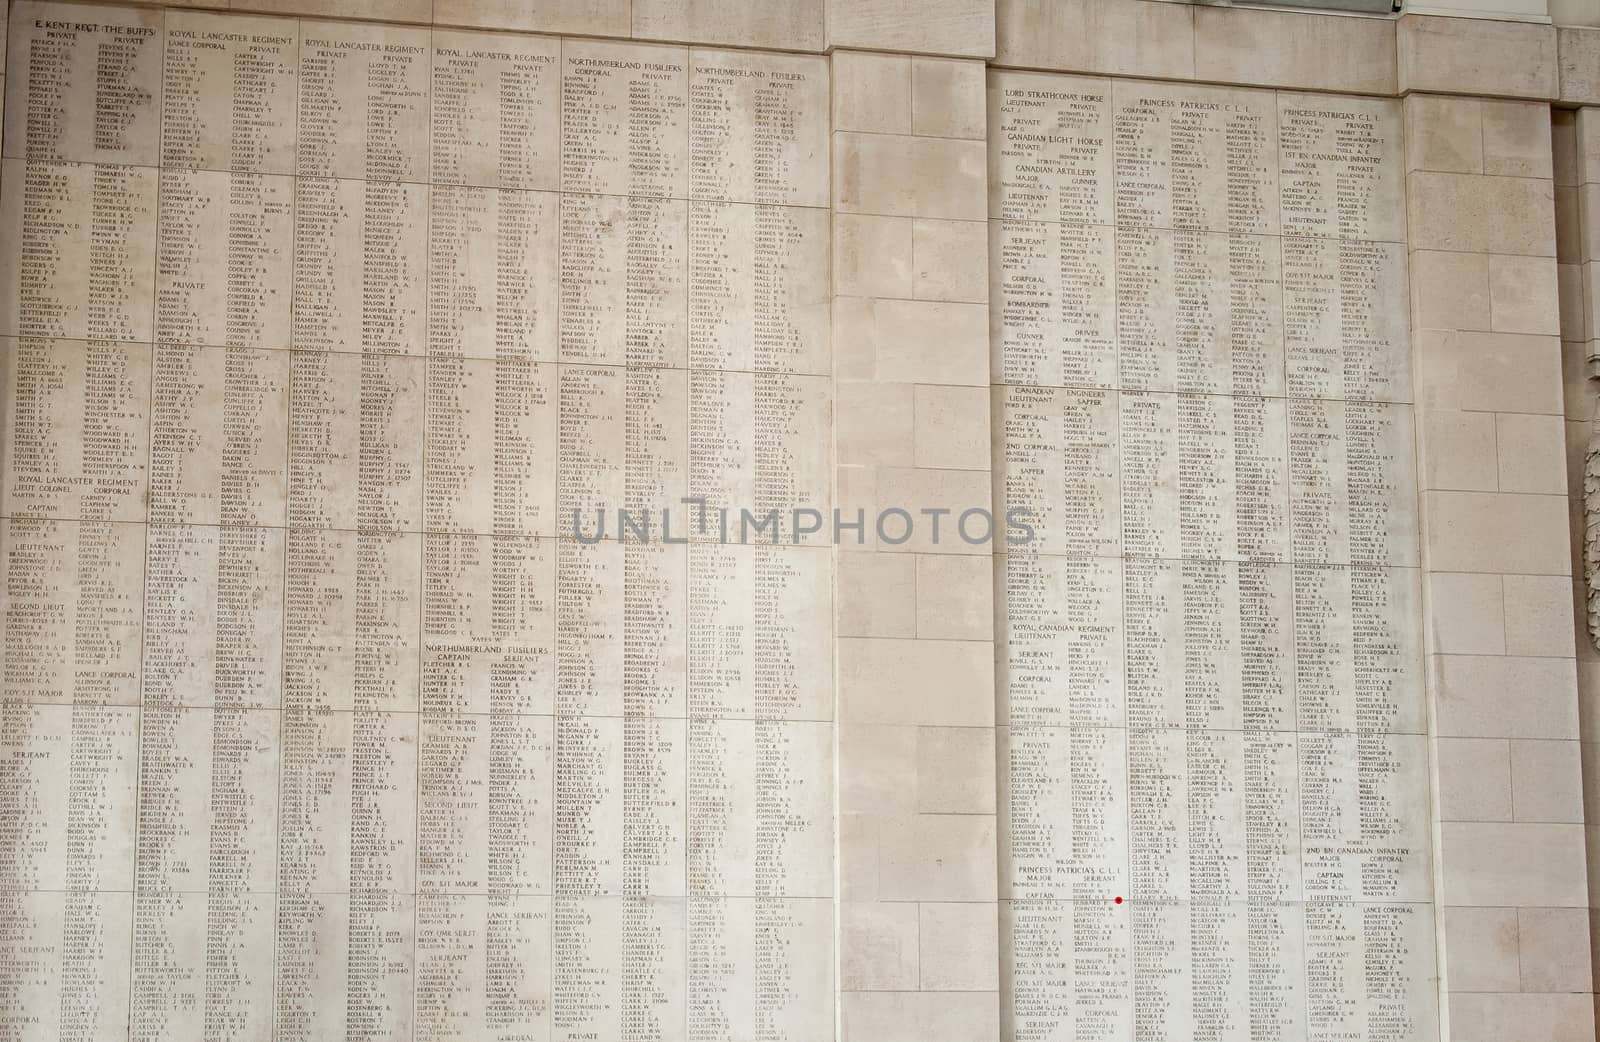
(1110,37)
(937,857)
(1516,138)
(1444,133)
(930,682)
(1496,696)
(1569,224)
(1025,633)
(521,925)
(1554,949)
(901,175)
(730,582)
(947,511)
(856,489)
(1591,301)
(1532,453)
(871,92)
(1574,317)
(1545,782)
(418,11)
(4,16)
(176,767)
(955,596)
(1588,216)
(875,424)
(947,98)
(1449,290)
(1538,615)
(858,855)
(1578,52)
(1498,372)
(1451,56)
(950,260)
(585,17)
(790,24)
(1587,152)
(952,427)
(878,946)
(1242,291)
(1564,145)
(1481,949)
(1474,779)
(878,595)
(478,408)
(959,946)
(963,28)
(914,341)
(925,1016)
(1294,49)
(1508,864)
(1466,613)
(1497,1017)
(56,734)
(1481,214)
(877,767)
(955,770)
(322,668)
(1580,397)
(874,256)
(1490,532)
(466,654)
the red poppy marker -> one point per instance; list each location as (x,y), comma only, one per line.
(1116,900)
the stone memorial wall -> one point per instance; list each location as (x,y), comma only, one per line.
(388,653)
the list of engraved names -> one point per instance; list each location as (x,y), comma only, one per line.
(317,720)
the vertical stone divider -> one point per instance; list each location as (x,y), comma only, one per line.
(5,12)
(1576,147)
(1510,874)
(917,936)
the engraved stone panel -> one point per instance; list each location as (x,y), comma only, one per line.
(322,714)
(1212,740)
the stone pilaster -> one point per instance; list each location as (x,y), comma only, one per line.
(1576,139)
(1510,870)
(918,953)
